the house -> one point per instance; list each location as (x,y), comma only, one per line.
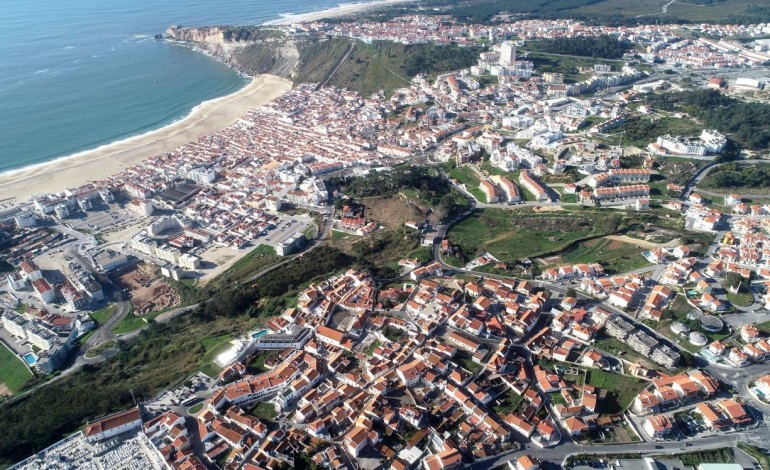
(330,336)
(449,459)
(524,462)
(358,438)
(575,426)
(463,342)
(712,417)
(657,426)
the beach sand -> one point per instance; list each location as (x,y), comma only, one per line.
(334,12)
(107,160)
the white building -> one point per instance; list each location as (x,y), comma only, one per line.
(25,219)
(507,54)
(113,425)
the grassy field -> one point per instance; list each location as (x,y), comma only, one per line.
(100,348)
(265,411)
(568,66)
(620,349)
(259,258)
(196,408)
(506,403)
(13,373)
(621,390)
(381,65)
(615,256)
(340,236)
(720,10)
(470,179)
(740,299)
(102,315)
(641,131)
(129,324)
(213,346)
(510,235)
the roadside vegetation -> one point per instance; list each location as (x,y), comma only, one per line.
(102,315)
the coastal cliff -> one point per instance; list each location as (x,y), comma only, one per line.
(343,62)
(249,49)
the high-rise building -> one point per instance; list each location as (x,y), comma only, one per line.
(507,54)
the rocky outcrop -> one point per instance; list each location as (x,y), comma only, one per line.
(251,50)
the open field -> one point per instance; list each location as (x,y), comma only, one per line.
(568,66)
(679,9)
(377,66)
(259,258)
(506,402)
(13,373)
(616,256)
(740,299)
(100,348)
(640,131)
(264,411)
(470,179)
(392,211)
(621,350)
(102,315)
(129,324)
(508,235)
(621,390)
(213,346)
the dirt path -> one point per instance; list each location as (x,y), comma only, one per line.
(644,243)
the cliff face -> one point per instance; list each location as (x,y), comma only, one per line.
(250,50)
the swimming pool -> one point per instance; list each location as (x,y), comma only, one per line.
(259,334)
(30,358)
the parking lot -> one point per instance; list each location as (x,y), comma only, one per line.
(102,218)
(286,226)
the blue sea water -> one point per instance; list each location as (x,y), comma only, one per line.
(77,74)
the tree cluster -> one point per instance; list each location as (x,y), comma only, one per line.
(739,176)
(430,58)
(432,188)
(747,123)
(602,47)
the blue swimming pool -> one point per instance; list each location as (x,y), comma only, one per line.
(259,334)
(30,358)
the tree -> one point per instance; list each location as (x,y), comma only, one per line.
(733,280)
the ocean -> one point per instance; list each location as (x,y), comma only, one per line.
(78,74)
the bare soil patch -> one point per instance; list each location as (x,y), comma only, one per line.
(392,212)
(149,291)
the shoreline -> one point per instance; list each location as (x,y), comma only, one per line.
(99,163)
(340,10)
(210,116)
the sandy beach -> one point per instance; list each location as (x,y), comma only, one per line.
(107,160)
(333,12)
